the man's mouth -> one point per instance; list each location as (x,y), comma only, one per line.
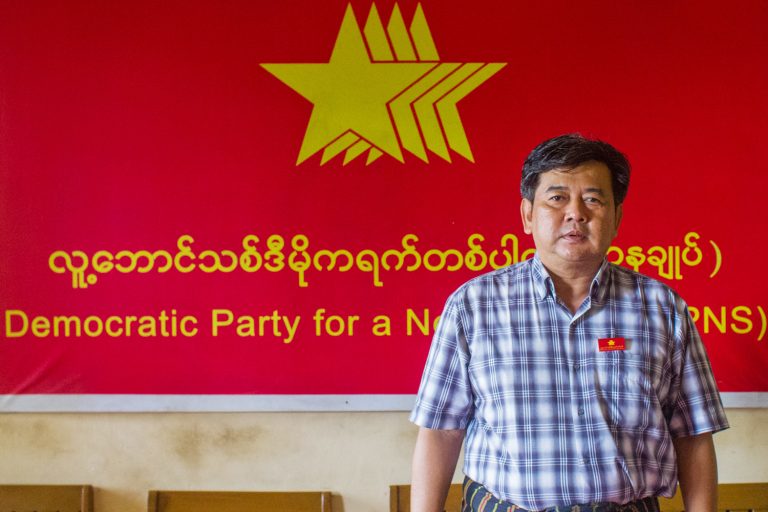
(574,236)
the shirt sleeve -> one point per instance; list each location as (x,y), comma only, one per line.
(445,395)
(697,408)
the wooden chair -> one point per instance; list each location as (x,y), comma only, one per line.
(44,498)
(231,501)
(731,498)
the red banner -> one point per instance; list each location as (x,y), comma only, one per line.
(249,198)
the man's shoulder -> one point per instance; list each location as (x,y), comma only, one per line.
(629,281)
(505,278)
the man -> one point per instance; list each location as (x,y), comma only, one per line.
(577,383)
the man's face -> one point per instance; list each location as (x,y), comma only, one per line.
(572,218)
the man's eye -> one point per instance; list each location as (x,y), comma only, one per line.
(556,198)
(592,200)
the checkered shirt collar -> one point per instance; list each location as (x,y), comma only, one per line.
(544,285)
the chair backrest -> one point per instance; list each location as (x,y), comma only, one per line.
(400,498)
(46,498)
(731,497)
(232,501)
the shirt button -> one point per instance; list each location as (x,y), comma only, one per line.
(576,366)
(581,411)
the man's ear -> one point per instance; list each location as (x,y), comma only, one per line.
(619,215)
(526,213)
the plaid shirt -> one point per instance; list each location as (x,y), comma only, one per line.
(550,418)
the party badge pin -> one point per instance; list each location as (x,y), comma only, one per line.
(611,344)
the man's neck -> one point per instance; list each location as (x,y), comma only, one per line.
(572,283)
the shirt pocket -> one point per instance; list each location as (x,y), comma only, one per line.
(624,390)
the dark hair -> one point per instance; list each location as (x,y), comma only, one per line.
(569,151)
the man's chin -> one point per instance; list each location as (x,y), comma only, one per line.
(581,258)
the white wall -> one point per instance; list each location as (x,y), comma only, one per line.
(355,455)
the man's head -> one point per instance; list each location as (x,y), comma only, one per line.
(569,151)
(572,192)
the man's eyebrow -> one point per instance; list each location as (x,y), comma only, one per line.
(561,188)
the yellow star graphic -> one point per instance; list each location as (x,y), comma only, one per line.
(350,93)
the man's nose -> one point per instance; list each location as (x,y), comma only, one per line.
(576,210)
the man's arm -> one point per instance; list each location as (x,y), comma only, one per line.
(434,461)
(697,472)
